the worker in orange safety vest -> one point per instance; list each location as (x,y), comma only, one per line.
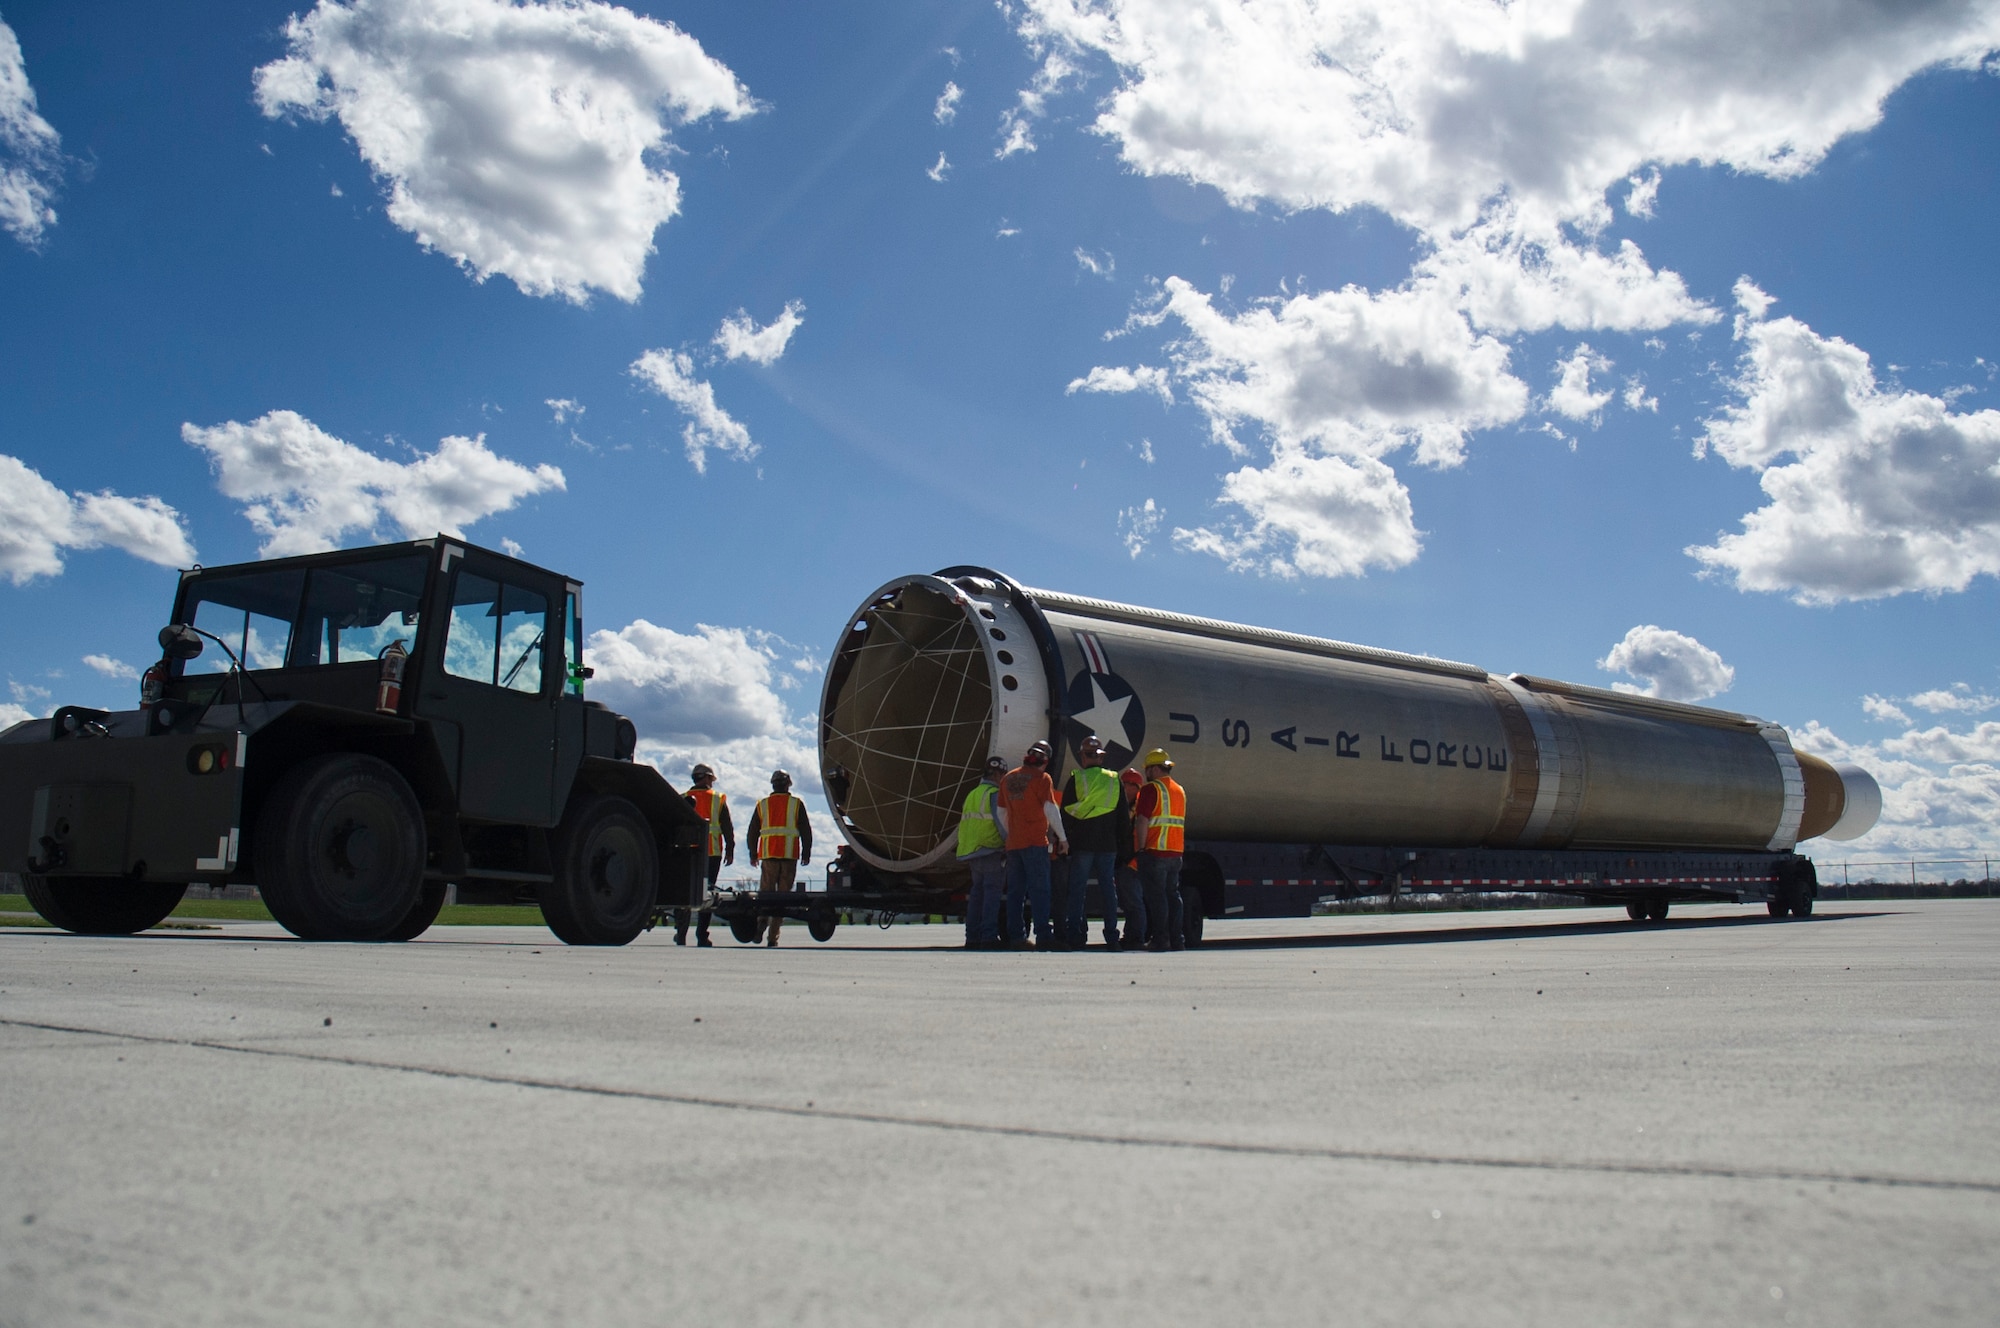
(711,806)
(780,840)
(1160,824)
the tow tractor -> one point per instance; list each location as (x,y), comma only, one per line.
(354,732)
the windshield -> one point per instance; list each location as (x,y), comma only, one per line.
(296,619)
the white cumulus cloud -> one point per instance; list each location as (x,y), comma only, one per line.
(1872,491)
(1571,395)
(109,667)
(1672,665)
(946,109)
(1137,525)
(522,139)
(715,695)
(564,409)
(1304,515)
(739,338)
(671,373)
(305,490)
(1118,379)
(30,150)
(38,522)
(939,169)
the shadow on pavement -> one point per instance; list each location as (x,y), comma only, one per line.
(1619,927)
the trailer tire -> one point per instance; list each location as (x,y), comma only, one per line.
(746,928)
(607,873)
(1777,907)
(1636,910)
(101,905)
(339,852)
(1656,910)
(1802,904)
(430,902)
(1193,914)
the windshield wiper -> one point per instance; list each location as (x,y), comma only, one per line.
(526,655)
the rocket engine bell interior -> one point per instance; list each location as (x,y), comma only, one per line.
(1287,738)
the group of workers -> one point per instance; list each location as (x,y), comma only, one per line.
(780,839)
(1033,854)
(1025,845)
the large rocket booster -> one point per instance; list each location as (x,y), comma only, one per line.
(1287,739)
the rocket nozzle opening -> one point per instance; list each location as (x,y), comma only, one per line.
(906,720)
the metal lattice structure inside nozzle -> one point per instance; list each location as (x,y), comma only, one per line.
(907,720)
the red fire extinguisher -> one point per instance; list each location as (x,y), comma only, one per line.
(389,692)
(153,685)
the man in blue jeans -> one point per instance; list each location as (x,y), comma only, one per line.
(1091,810)
(982,847)
(1031,817)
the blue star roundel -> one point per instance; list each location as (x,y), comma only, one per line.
(1105,704)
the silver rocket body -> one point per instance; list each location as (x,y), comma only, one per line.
(1282,738)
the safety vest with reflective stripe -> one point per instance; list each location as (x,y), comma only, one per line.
(1164,829)
(1096,792)
(708,805)
(778,835)
(978,828)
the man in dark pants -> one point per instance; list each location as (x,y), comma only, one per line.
(1131,893)
(1161,825)
(712,807)
(1090,805)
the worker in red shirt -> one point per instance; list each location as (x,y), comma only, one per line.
(1160,824)
(1131,894)
(1032,819)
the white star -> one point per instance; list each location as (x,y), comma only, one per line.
(1106,718)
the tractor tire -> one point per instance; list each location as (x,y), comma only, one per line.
(1656,910)
(1802,905)
(607,873)
(821,926)
(747,929)
(101,905)
(430,901)
(339,853)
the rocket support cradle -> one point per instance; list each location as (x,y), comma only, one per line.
(1287,739)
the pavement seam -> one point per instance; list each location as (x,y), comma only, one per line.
(1664,1170)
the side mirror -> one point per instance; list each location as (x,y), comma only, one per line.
(179,641)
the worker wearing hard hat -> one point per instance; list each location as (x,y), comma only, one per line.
(1032,819)
(712,807)
(982,847)
(780,839)
(1160,825)
(1131,894)
(1090,807)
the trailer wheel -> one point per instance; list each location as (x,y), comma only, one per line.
(1777,907)
(1657,910)
(101,905)
(430,902)
(746,928)
(1193,913)
(822,926)
(607,873)
(1802,904)
(1636,910)
(339,853)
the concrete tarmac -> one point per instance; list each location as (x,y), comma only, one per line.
(1491,1118)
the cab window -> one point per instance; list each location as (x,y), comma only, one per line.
(497,633)
(252,612)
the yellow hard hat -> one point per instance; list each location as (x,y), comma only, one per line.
(1158,756)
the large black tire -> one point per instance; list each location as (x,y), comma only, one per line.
(1802,904)
(822,926)
(339,854)
(1657,910)
(430,900)
(747,928)
(1192,917)
(1636,910)
(1776,907)
(607,873)
(101,905)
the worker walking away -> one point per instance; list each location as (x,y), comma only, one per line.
(1131,894)
(712,807)
(982,847)
(1090,804)
(780,840)
(1033,819)
(1161,824)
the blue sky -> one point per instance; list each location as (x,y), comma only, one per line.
(1388,371)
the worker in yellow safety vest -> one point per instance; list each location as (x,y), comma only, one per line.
(780,840)
(1092,812)
(1161,823)
(982,847)
(711,806)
